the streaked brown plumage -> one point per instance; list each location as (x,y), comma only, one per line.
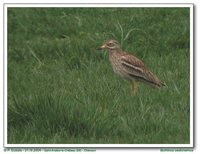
(129,66)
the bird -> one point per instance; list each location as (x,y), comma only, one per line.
(129,66)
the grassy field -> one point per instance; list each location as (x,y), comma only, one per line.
(62,90)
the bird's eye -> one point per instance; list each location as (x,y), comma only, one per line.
(110,44)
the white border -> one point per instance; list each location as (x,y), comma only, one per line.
(191,76)
(98,5)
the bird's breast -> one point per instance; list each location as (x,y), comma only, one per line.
(117,66)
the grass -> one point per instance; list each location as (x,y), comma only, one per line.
(61,90)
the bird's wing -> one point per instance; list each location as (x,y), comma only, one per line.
(136,68)
(133,66)
(132,60)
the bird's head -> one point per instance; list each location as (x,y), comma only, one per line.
(110,45)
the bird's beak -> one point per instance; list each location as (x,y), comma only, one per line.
(102,47)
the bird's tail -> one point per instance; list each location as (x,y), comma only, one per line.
(155,81)
(160,84)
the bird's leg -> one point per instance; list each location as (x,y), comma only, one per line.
(134,87)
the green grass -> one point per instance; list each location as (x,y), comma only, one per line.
(62,90)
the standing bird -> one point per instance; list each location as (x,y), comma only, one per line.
(129,66)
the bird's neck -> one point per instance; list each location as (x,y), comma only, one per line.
(115,50)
